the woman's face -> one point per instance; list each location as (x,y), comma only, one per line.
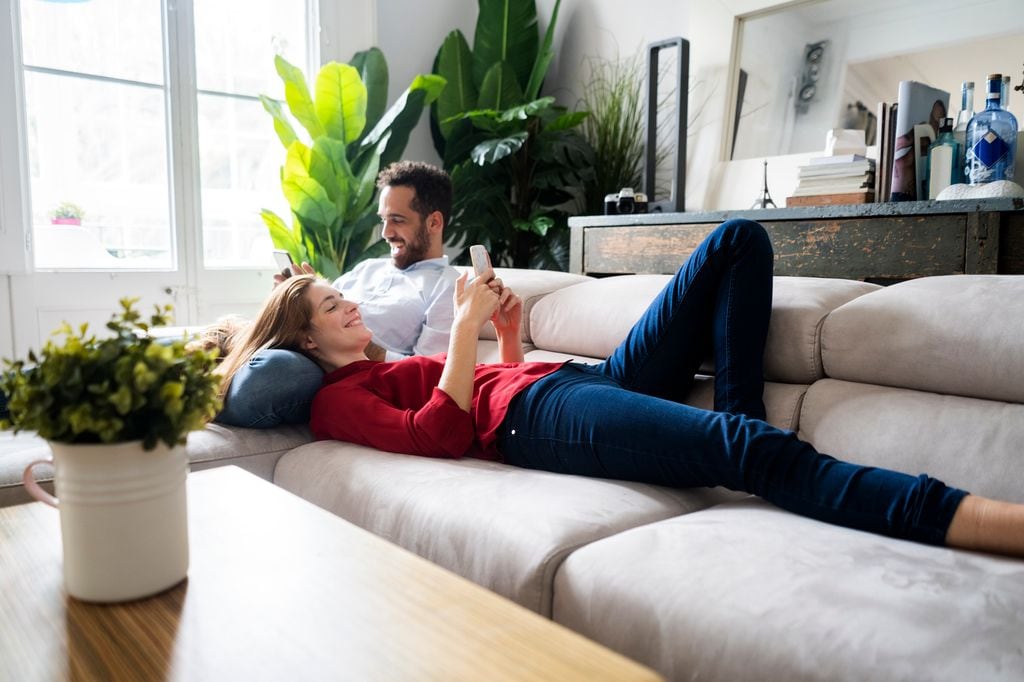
(336,327)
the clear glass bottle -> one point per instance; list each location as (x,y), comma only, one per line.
(991,139)
(1004,93)
(964,116)
(945,164)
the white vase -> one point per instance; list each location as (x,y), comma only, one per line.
(123,518)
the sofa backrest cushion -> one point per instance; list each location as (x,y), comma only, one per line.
(958,334)
(966,442)
(531,286)
(593,317)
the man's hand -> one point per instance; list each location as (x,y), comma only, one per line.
(306,269)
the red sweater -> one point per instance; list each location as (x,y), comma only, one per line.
(397,407)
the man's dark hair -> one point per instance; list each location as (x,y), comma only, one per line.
(432,185)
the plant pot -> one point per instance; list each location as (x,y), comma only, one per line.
(66,221)
(123,517)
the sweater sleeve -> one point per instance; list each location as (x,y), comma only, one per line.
(438,429)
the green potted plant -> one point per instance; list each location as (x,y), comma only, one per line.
(329,175)
(67,213)
(115,411)
(518,162)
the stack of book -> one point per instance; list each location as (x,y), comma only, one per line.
(828,180)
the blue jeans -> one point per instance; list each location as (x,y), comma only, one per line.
(624,419)
(275,387)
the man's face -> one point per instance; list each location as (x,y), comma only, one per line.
(402,227)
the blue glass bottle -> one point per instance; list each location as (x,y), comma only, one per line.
(991,139)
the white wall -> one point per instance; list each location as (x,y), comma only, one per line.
(6,326)
(409,32)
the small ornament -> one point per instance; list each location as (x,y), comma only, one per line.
(765,200)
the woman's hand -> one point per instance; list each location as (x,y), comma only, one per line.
(508,317)
(508,321)
(475,302)
(304,269)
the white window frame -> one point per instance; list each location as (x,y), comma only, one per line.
(336,30)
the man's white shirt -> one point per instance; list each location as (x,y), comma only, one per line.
(410,311)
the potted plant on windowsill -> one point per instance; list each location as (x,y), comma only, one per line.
(115,411)
(67,213)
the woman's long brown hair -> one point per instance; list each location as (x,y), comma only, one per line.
(282,322)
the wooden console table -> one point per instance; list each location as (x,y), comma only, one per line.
(884,242)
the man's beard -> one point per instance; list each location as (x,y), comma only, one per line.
(415,250)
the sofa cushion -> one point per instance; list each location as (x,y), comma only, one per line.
(505,528)
(531,286)
(744,591)
(255,450)
(593,317)
(960,334)
(965,442)
(781,401)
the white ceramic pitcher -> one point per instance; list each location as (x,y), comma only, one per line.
(123,517)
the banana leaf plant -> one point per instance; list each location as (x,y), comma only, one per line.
(517,161)
(329,175)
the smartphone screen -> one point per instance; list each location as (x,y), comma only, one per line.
(284,262)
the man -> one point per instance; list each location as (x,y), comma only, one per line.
(407,300)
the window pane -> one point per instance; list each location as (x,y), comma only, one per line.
(101,146)
(239,155)
(241,61)
(116,38)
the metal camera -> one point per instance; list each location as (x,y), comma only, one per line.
(625,202)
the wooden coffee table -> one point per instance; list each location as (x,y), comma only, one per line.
(278,589)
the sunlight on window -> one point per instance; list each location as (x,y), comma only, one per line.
(98,130)
(97,134)
(238,151)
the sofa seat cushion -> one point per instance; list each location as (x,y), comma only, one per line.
(965,442)
(502,527)
(959,334)
(745,591)
(592,318)
(255,450)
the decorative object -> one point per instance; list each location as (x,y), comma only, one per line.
(330,178)
(116,412)
(67,213)
(676,199)
(518,163)
(991,144)
(765,200)
(999,188)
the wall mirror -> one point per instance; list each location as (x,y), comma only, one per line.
(805,68)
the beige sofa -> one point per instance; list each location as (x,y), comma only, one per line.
(927,375)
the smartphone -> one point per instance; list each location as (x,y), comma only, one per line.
(481,261)
(284,262)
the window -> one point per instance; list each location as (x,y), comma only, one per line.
(123,98)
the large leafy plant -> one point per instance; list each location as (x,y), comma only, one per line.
(329,176)
(123,387)
(517,162)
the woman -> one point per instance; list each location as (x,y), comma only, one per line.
(624,417)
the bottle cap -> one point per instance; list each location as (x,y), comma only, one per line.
(995,77)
